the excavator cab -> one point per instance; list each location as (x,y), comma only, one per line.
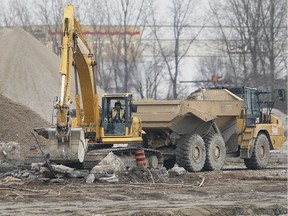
(116,115)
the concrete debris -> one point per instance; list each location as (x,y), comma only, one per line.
(176,170)
(79,174)
(106,169)
(114,160)
(57,180)
(36,166)
(141,174)
(108,166)
(62,169)
(102,170)
(10,150)
(25,174)
(90,178)
(110,179)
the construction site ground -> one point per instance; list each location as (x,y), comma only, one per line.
(232,191)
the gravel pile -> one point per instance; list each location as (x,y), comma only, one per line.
(28,71)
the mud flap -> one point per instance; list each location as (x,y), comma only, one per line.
(67,149)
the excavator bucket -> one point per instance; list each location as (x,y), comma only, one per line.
(67,149)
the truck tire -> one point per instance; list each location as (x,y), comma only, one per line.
(215,152)
(191,153)
(260,154)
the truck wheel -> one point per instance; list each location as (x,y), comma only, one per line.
(260,155)
(215,152)
(190,152)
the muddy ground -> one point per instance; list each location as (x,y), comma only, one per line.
(232,191)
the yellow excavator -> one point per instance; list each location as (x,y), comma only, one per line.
(88,127)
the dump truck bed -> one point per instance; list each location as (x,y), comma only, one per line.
(181,115)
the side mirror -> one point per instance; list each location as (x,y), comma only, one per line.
(133,108)
(281,94)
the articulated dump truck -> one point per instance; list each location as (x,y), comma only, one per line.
(199,132)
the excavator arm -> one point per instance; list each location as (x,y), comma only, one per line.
(69,140)
(76,54)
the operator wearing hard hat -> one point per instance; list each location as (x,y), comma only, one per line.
(118,114)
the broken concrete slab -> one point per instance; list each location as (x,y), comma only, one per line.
(112,159)
(79,174)
(90,178)
(36,166)
(109,165)
(110,179)
(176,170)
(62,169)
(101,170)
(25,174)
(57,180)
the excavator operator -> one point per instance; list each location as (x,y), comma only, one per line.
(118,113)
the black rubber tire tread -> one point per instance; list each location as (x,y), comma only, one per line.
(184,157)
(256,162)
(211,141)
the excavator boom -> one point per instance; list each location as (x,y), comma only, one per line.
(76,53)
(68,141)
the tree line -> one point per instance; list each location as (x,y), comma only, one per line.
(252,36)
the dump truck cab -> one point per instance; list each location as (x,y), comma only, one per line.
(258,109)
(259,130)
(251,104)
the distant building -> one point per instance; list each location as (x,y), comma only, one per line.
(101,39)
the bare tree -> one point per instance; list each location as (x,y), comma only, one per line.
(125,39)
(96,18)
(274,18)
(18,13)
(148,83)
(259,29)
(181,14)
(211,66)
(50,15)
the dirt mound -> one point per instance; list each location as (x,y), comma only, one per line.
(28,71)
(16,123)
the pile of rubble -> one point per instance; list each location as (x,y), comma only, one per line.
(110,170)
